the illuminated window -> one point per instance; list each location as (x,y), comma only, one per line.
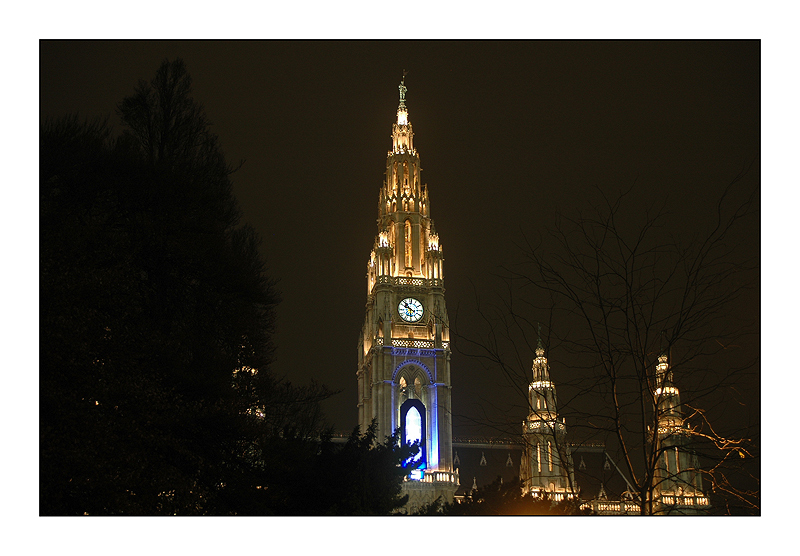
(408,243)
(538,459)
(549,456)
(412,426)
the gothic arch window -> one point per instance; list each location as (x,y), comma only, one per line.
(408,243)
(402,388)
(410,369)
(411,382)
(412,429)
(538,458)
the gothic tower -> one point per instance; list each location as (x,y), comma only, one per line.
(546,465)
(678,483)
(404,348)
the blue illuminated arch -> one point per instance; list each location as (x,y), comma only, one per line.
(412,429)
(415,362)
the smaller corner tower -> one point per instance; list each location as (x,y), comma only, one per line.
(678,481)
(546,466)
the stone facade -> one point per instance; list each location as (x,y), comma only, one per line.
(404,346)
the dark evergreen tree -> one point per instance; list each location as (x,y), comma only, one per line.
(152,295)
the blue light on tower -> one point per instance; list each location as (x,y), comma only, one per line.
(414,428)
(412,425)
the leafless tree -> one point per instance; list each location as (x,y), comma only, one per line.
(617,286)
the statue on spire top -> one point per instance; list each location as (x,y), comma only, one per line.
(403,88)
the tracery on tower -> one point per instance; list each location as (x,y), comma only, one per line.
(404,349)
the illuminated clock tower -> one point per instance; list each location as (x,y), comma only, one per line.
(404,348)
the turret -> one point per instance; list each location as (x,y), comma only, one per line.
(546,465)
(678,482)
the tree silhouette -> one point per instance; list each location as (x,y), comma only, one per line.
(152,295)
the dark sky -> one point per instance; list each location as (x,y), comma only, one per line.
(508,133)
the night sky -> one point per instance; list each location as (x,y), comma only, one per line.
(508,133)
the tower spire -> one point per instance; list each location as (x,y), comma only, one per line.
(539,342)
(547,463)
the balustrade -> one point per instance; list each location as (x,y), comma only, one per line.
(437,477)
(408,281)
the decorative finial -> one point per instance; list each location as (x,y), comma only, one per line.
(539,342)
(403,89)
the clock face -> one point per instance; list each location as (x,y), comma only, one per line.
(410,309)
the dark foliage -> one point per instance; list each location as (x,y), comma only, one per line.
(359,477)
(151,297)
(499,498)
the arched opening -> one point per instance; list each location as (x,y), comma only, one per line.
(412,427)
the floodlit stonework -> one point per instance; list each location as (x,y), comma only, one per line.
(404,378)
(404,347)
